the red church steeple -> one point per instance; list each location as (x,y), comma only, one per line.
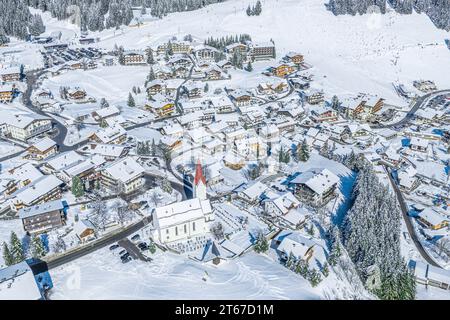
(199,174)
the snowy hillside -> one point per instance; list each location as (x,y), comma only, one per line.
(351,54)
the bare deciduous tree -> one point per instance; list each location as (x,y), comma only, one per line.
(100,214)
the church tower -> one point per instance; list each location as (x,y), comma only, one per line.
(199,183)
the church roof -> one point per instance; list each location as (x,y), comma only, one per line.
(199,174)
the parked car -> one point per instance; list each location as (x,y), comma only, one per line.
(123,252)
(143,246)
(136,237)
(126,260)
(114,247)
(125,256)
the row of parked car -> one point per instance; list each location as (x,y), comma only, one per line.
(124,254)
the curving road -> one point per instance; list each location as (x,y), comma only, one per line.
(408,222)
(419,103)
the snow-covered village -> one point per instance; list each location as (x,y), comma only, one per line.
(224,149)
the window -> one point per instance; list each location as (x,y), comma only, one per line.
(185,228)
(176,231)
(167,231)
(193,226)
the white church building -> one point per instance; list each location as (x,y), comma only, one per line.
(187,219)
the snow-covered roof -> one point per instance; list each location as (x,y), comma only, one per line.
(211,251)
(286,202)
(318,180)
(294,243)
(78,168)
(108,134)
(41,208)
(392,154)
(107,112)
(407,177)
(432,170)
(10,70)
(107,150)
(198,134)
(37,189)
(428,272)
(17,282)
(63,160)
(83,225)
(44,144)
(294,217)
(23,172)
(6,87)
(387,132)
(233,158)
(191,117)
(173,128)
(431,216)
(21,121)
(181,212)
(125,170)
(255,190)
(422,143)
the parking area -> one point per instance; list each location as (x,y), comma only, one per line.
(58,57)
(131,249)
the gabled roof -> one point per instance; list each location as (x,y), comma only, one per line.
(180,212)
(295,243)
(125,170)
(44,144)
(318,180)
(38,188)
(41,208)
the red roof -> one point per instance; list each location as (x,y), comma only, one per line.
(199,174)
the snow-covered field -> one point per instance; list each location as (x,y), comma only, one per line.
(101,275)
(113,83)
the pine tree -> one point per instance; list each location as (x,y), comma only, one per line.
(151,76)
(150,58)
(261,243)
(258,8)
(16,248)
(131,103)
(377,242)
(325,270)
(36,26)
(249,66)
(249,11)
(335,251)
(301,267)
(77,187)
(8,257)
(314,277)
(37,248)
(104,103)
(153,148)
(303,151)
(3,38)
